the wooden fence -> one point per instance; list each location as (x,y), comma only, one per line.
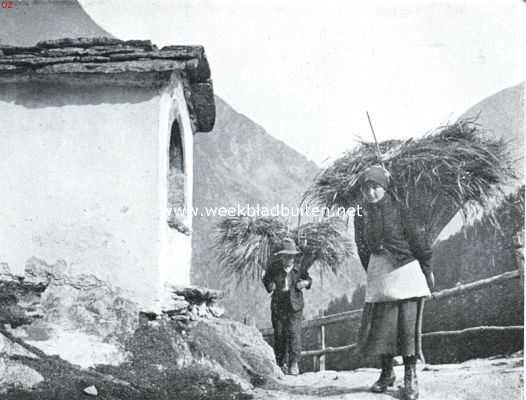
(355,315)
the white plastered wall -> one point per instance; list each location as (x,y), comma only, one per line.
(79,178)
(84,180)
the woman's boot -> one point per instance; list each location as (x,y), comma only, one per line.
(387,377)
(410,380)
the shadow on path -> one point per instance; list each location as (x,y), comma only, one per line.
(330,391)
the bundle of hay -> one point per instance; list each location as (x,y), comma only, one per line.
(455,167)
(325,244)
(245,246)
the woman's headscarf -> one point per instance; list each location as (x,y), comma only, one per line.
(377,174)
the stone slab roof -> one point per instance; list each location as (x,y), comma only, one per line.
(106,61)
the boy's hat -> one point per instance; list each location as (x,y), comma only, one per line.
(289,247)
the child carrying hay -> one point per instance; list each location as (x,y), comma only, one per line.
(250,248)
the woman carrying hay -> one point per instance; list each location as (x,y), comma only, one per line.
(397,258)
(425,182)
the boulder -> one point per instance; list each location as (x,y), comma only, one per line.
(82,302)
(8,349)
(229,346)
(81,318)
(235,347)
(212,358)
(16,375)
(91,391)
(19,298)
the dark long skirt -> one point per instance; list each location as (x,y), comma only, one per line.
(391,328)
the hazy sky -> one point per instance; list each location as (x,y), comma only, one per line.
(307,71)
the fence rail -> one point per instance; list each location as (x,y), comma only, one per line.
(478,329)
(461,289)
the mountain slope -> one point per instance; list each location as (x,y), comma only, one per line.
(478,251)
(503,114)
(239,163)
(31,21)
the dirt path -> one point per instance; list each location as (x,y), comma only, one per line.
(484,379)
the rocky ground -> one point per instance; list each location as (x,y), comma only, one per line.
(482,379)
(75,337)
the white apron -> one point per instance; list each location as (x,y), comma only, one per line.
(387,283)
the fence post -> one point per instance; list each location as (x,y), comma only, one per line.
(319,360)
(518,247)
(322,341)
(315,363)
